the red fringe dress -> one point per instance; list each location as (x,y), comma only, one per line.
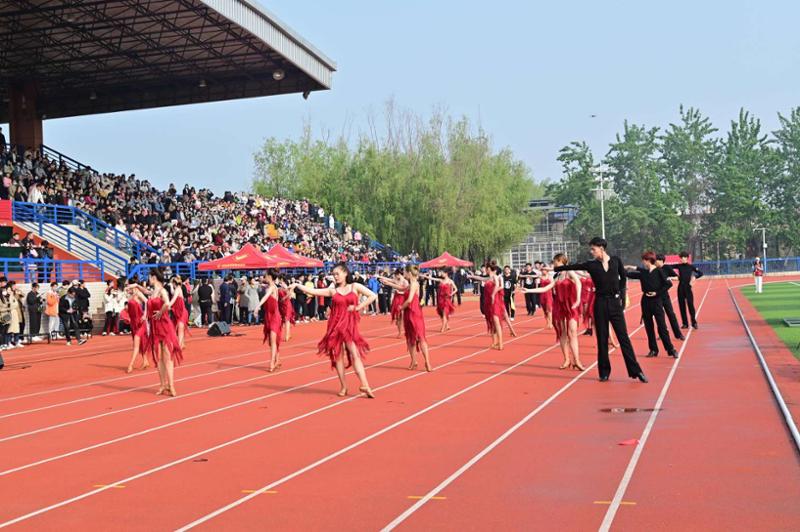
(414,323)
(588,293)
(180,314)
(565,297)
(135,313)
(488,305)
(160,330)
(500,304)
(397,302)
(273,319)
(546,298)
(342,329)
(444,300)
(285,307)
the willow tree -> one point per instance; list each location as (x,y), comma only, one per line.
(426,185)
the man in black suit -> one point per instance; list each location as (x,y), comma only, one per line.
(68,313)
(205,295)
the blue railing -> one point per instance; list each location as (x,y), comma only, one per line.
(61,214)
(745,266)
(71,241)
(190,270)
(49,270)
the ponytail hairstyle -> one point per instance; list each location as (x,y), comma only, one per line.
(273,274)
(561,259)
(447,272)
(342,267)
(158,273)
(412,270)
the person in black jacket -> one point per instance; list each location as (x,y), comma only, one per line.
(227,297)
(205,296)
(608,275)
(686,275)
(667,300)
(69,315)
(34,303)
(654,284)
(82,297)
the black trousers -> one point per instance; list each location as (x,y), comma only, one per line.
(507,298)
(227,313)
(530,304)
(608,310)
(666,301)
(686,299)
(430,295)
(206,315)
(653,309)
(70,324)
(459,291)
(482,298)
(35,319)
(383,303)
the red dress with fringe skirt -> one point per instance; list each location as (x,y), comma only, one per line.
(566,294)
(160,330)
(342,329)
(273,320)
(414,323)
(444,300)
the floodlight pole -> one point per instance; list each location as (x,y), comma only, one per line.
(601,179)
(763,245)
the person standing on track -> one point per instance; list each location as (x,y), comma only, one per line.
(687,273)
(400,289)
(161,340)
(273,319)
(530,280)
(180,314)
(566,312)
(444,297)
(608,275)
(342,338)
(758,275)
(205,295)
(654,283)
(414,322)
(138,326)
(666,300)
(509,288)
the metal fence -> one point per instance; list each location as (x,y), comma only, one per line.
(745,266)
(48,270)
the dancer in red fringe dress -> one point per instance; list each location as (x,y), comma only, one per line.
(444,297)
(138,326)
(180,314)
(343,340)
(494,308)
(546,298)
(286,308)
(414,322)
(273,320)
(566,312)
(159,338)
(587,303)
(399,294)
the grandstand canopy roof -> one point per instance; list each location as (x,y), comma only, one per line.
(89,56)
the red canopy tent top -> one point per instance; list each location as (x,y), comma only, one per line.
(247,258)
(445,260)
(674,259)
(292,260)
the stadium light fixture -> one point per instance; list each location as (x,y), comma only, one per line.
(92,95)
(278,75)
(202,84)
(306,94)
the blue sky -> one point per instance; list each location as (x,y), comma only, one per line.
(532,72)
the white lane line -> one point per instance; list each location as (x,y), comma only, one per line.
(136,375)
(210,412)
(637,453)
(148,386)
(239,439)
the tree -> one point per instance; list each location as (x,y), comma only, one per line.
(784,195)
(426,185)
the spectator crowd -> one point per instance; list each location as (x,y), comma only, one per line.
(193,224)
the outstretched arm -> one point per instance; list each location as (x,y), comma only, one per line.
(321,292)
(370,296)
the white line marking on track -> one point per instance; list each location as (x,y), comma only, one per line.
(194,393)
(209,412)
(240,439)
(637,453)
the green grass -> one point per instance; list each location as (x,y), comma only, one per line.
(779,301)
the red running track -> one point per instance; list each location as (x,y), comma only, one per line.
(495,439)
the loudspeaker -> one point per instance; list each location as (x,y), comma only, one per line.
(219,328)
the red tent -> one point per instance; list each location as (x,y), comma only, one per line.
(292,260)
(247,258)
(445,260)
(674,259)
